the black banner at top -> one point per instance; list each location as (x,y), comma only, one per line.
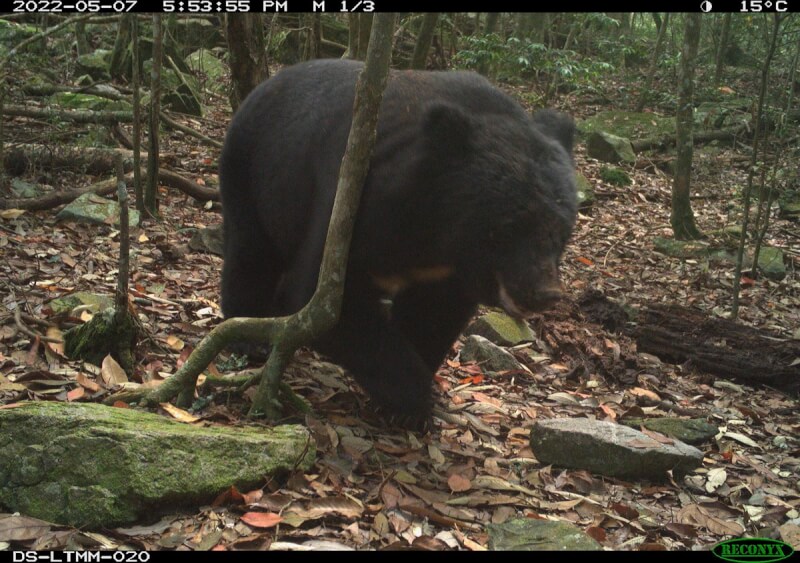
(207,7)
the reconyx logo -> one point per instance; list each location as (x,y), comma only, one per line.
(748,550)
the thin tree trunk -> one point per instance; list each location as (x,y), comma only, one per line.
(119,55)
(723,44)
(489,27)
(151,189)
(737,276)
(137,118)
(352,36)
(247,54)
(313,36)
(81,42)
(424,39)
(651,72)
(364,30)
(682,218)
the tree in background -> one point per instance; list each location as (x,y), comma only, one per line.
(424,39)
(247,54)
(682,217)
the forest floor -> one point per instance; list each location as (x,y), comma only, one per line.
(377,487)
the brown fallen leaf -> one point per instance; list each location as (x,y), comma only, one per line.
(175,343)
(228,497)
(639,392)
(459,484)
(660,438)
(57,347)
(261,519)
(681,531)
(112,373)
(178,413)
(319,507)
(627,512)
(21,528)
(643,444)
(89,384)
(698,516)
(76,394)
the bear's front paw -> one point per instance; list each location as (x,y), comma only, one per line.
(415,417)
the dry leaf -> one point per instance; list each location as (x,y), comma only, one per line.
(458,484)
(319,507)
(261,519)
(112,373)
(639,392)
(696,515)
(11,213)
(563,398)
(436,455)
(21,528)
(175,344)
(90,385)
(716,478)
(178,413)
(642,444)
(741,438)
(57,347)
(230,496)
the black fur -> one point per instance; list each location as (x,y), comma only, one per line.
(465,190)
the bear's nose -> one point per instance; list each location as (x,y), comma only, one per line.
(545,299)
(541,300)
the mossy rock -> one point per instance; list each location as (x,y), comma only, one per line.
(606,147)
(77,100)
(206,63)
(501,329)
(95,64)
(92,208)
(88,465)
(527,534)
(615,176)
(631,125)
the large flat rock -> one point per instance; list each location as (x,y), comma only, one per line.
(88,465)
(610,449)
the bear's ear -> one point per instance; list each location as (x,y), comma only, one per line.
(556,125)
(447,127)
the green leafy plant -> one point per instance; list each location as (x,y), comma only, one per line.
(516,58)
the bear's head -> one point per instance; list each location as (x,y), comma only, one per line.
(507,186)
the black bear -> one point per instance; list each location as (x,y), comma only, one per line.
(468,200)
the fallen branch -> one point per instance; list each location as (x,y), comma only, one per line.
(35,89)
(718,346)
(95,90)
(698,138)
(189,131)
(105,187)
(76,116)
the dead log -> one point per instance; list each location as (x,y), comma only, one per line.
(698,138)
(90,160)
(166,177)
(76,116)
(718,346)
(676,334)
